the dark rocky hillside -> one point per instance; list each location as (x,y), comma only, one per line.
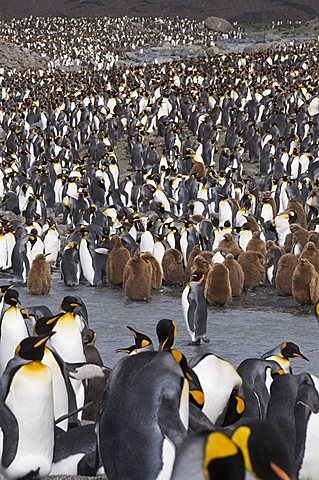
(244,11)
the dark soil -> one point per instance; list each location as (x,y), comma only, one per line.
(243,11)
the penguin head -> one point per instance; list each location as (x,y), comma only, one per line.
(291,350)
(166,334)
(223,458)
(4,288)
(130,350)
(32,348)
(69,303)
(11,297)
(88,336)
(265,450)
(197,277)
(196,394)
(45,325)
(141,340)
(235,409)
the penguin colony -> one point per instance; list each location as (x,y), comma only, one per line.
(218,188)
(62,411)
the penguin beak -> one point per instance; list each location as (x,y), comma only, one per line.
(53,319)
(301,356)
(279,472)
(132,330)
(43,340)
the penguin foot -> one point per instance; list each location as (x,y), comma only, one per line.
(206,340)
(192,344)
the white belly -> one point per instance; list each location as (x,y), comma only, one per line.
(60,394)
(30,399)
(86,262)
(13,330)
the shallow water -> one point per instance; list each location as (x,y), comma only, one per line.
(252,325)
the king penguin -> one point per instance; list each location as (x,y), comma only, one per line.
(195,308)
(12,328)
(282,353)
(152,385)
(26,413)
(209,456)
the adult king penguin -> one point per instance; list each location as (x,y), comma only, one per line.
(26,413)
(12,327)
(154,406)
(195,308)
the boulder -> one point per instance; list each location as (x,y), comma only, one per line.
(260,47)
(218,24)
(212,51)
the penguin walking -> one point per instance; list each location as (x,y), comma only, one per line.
(195,309)
(27,418)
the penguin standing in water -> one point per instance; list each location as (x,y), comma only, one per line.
(195,308)
(12,327)
(26,413)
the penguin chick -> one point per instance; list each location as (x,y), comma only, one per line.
(172,265)
(299,238)
(218,288)
(201,265)
(286,267)
(198,170)
(137,278)
(157,277)
(205,255)
(314,237)
(236,275)
(256,244)
(252,223)
(228,243)
(296,207)
(252,264)
(39,276)
(305,283)
(117,259)
(311,252)
(193,253)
